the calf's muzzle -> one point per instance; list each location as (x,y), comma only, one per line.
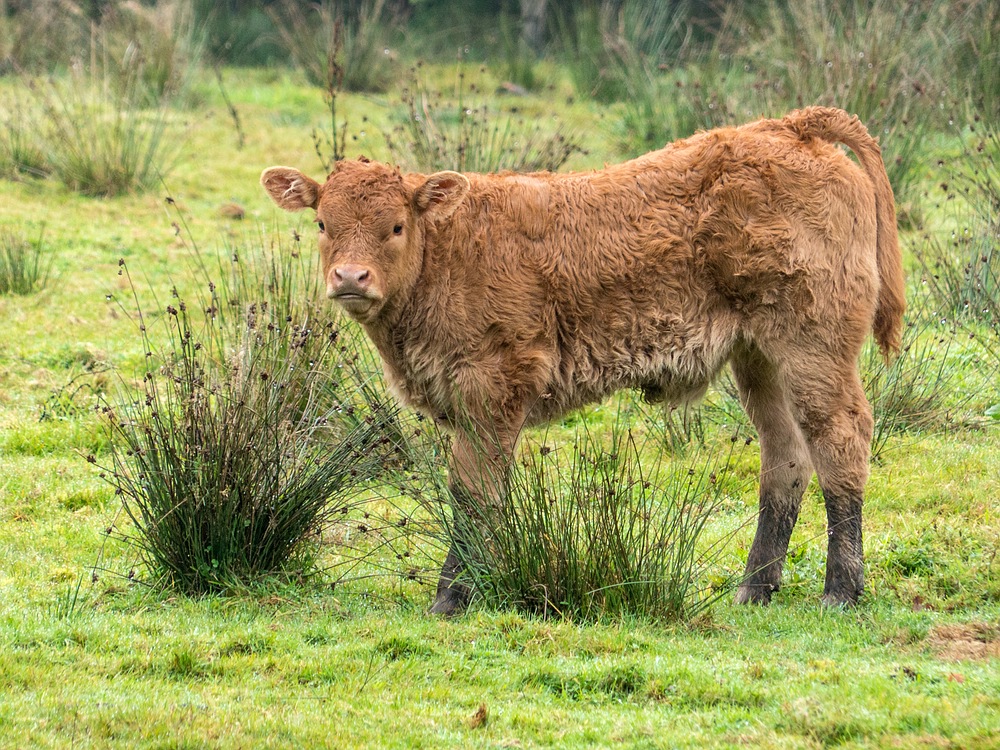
(349,281)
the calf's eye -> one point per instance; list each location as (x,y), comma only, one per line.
(322,227)
(398,229)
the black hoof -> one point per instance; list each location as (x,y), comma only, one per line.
(451,600)
(453,594)
(752,593)
(845,583)
(841,598)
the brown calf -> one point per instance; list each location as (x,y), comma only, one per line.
(514,298)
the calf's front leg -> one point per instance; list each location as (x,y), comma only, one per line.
(453,591)
(477,475)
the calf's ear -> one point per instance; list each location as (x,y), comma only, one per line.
(441,194)
(289,188)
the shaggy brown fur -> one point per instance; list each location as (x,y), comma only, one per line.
(514,298)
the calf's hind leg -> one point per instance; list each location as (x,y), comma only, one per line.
(785,471)
(836,420)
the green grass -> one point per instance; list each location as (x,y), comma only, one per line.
(91,657)
(293,668)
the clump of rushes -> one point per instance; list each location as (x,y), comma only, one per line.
(961,266)
(253,426)
(103,127)
(361,31)
(21,267)
(915,391)
(582,33)
(600,527)
(962,271)
(464,134)
(128,152)
(21,150)
(965,272)
(99,132)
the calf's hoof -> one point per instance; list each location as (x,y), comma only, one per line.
(451,599)
(841,598)
(453,593)
(845,583)
(755,593)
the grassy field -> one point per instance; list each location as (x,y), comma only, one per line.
(92,656)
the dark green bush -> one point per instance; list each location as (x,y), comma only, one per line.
(960,266)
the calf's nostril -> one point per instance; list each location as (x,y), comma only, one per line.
(353,275)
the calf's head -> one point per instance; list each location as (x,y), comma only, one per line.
(371,222)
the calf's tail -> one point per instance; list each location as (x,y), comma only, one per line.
(835,125)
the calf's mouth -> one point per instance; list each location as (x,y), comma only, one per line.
(355,302)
